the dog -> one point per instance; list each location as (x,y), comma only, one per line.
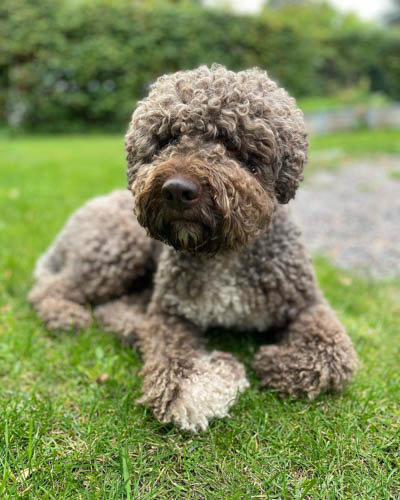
(213,158)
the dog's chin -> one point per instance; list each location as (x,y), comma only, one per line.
(197,238)
(192,238)
(187,237)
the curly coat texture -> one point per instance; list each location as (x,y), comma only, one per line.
(232,258)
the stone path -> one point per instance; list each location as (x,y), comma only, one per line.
(352,216)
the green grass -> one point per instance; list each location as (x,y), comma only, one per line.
(360,142)
(63,435)
(346,99)
(335,150)
(394,174)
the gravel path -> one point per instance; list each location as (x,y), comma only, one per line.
(352,216)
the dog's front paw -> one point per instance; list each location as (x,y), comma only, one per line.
(289,372)
(208,391)
(60,314)
(303,373)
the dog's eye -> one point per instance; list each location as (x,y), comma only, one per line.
(230,146)
(252,169)
(166,141)
(233,148)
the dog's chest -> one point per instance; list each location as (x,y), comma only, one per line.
(218,292)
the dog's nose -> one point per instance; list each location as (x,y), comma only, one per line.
(180,192)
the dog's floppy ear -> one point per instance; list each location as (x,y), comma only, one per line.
(285,121)
(142,139)
(290,169)
(291,140)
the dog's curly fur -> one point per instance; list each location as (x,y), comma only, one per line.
(233,259)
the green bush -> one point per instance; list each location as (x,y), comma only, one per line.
(346,50)
(65,65)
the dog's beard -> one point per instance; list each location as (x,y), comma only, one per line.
(186,236)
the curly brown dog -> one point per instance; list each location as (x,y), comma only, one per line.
(213,158)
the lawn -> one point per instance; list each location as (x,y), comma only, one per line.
(345,99)
(65,435)
(359,142)
(336,150)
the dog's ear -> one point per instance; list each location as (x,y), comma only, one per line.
(289,129)
(277,124)
(290,168)
(142,139)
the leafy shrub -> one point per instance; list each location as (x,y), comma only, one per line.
(66,65)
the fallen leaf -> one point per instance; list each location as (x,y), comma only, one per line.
(102,378)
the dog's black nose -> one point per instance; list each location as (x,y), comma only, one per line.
(180,192)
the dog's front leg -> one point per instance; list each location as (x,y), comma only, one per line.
(183,383)
(316,354)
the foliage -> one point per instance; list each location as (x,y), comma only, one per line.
(346,50)
(64,435)
(66,65)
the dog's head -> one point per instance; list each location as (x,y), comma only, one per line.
(210,153)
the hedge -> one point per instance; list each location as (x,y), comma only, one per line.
(67,65)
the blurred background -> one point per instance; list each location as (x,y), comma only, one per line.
(66,65)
